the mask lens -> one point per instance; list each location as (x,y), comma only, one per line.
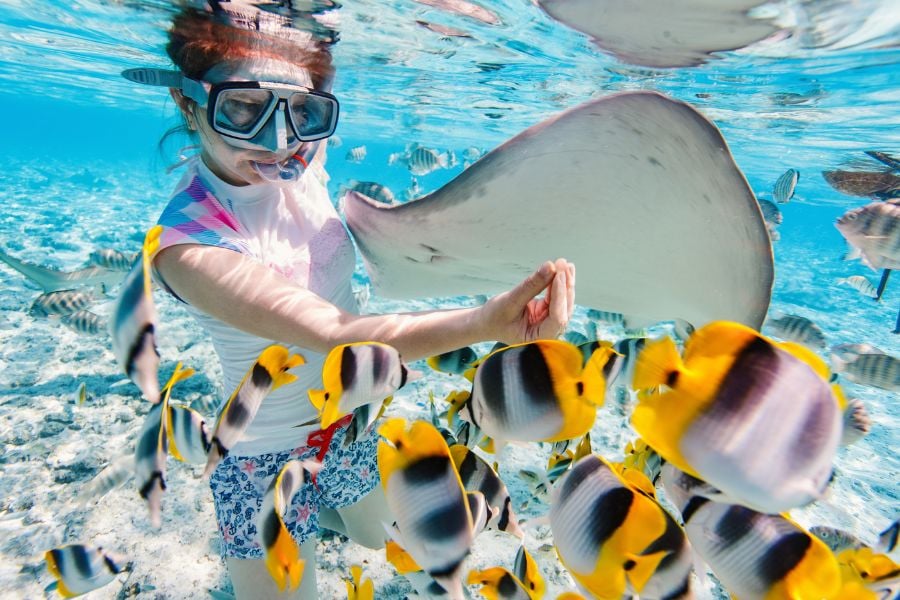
(312,116)
(240,111)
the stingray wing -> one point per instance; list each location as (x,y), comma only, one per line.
(638,190)
(663,34)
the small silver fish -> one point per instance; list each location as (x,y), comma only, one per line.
(851,351)
(373,190)
(784,187)
(576,337)
(874,233)
(60,303)
(860,284)
(357,154)
(84,321)
(875,370)
(335,141)
(421,160)
(798,329)
(113,260)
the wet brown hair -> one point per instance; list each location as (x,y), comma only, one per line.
(199,40)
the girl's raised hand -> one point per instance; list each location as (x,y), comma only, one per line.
(519,316)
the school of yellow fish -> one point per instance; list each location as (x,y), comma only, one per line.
(737,429)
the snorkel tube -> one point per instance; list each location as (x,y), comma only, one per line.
(289,171)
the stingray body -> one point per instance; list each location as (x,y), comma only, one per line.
(638,190)
(678,33)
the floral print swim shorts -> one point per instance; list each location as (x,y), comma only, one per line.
(239,484)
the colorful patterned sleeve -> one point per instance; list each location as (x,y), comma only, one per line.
(195,216)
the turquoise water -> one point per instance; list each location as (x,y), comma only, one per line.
(82,171)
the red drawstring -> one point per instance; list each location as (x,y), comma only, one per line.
(321,439)
(302,160)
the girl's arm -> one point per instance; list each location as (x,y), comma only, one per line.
(249,296)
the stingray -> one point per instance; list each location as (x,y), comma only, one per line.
(670,33)
(638,190)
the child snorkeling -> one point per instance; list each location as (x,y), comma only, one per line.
(255,249)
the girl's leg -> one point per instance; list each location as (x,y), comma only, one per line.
(363,520)
(251,579)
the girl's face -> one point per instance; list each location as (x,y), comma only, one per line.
(233,164)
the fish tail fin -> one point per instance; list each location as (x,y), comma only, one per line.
(643,566)
(283,561)
(432,361)
(592,374)
(657,364)
(456,400)
(276,360)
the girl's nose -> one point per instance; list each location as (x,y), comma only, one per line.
(276,135)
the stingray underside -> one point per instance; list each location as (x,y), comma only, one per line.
(638,190)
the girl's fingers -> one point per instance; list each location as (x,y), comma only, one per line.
(570,289)
(559,310)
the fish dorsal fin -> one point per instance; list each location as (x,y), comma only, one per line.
(658,364)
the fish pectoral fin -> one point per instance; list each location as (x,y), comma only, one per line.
(642,567)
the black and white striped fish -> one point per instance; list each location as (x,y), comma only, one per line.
(61,303)
(722,414)
(872,369)
(798,329)
(605,316)
(84,321)
(421,160)
(357,376)
(113,260)
(80,569)
(860,284)
(132,323)
(613,536)
(282,554)
(754,555)
(356,154)
(478,476)
(785,186)
(189,438)
(152,448)
(536,391)
(873,231)
(373,190)
(435,523)
(268,373)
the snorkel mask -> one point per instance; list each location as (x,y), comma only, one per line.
(241,110)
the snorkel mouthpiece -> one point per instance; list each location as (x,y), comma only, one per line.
(282,173)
